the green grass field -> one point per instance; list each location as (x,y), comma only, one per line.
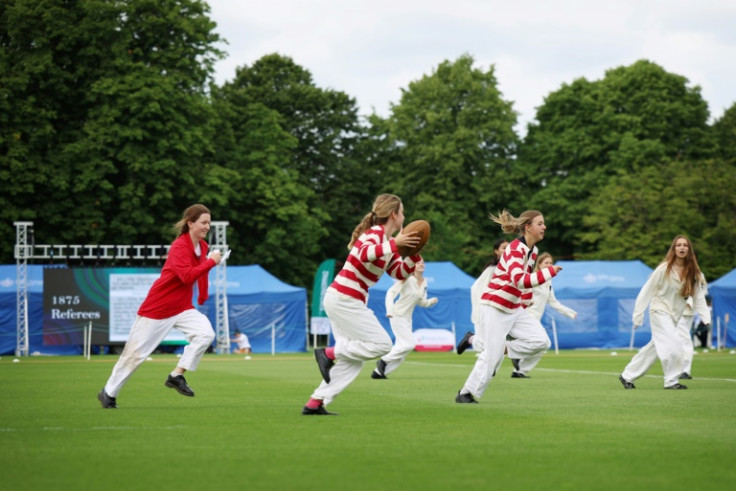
(571,426)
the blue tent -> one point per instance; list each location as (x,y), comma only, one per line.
(271,313)
(723,292)
(448,283)
(603,293)
(265,308)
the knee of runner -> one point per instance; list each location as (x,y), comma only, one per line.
(543,345)
(384,348)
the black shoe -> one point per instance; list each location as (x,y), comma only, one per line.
(180,384)
(464,343)
(465,398)
(378,376)
(324,363)
(320,411)
(515,363)
(626,383)
(381,367)
(107,401)
(519,375)
(685,376)
(677,387)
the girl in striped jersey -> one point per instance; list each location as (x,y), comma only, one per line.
(502,310)
(358,334)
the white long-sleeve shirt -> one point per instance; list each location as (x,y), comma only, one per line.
(411,294)
(661,293)
(544,295)
(477,290)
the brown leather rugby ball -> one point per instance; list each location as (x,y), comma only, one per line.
(422,228)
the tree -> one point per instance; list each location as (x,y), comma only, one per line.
(588,132)
(453,144)
(724,130)
(268,206)
(326,129)
(108,116)
(636,215)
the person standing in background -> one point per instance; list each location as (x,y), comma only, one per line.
(411,292)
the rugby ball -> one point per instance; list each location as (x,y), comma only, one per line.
(422,229)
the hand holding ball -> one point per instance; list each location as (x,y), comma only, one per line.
(420,230)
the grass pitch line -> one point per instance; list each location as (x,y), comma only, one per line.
(94,428)
(560,370)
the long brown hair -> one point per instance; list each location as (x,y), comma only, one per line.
(691,275)
(383,206)
(191,214)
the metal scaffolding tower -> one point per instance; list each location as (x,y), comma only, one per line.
(26,249)
(222,330)
(22,251)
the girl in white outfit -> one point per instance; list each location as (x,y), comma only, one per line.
(411,292)
(358,334)
(475,293)
(673,286)
(504,301)
(542,296)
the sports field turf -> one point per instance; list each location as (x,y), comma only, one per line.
(571,426)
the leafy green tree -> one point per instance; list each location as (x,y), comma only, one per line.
(724,130)
(326,129)
(588,132)
(452,148)
(108,123)
(636,215)
(266,203)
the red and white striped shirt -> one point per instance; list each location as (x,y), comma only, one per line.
(511,285)
(371,255)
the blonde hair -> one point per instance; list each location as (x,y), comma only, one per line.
(541,258)
(191,214)
(511,224)
(383,206)
(691,274)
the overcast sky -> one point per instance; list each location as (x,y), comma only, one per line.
(371,49)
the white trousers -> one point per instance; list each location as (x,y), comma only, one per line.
(358,337)
(666,344)
(403,344)
(146,334)
(530,340)
(683,330)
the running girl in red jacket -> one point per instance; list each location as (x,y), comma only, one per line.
(168,305)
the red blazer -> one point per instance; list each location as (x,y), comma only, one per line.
(171,293)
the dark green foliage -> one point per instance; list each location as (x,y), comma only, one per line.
(110,126)
(107,131)
(589,132)
(452,147)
